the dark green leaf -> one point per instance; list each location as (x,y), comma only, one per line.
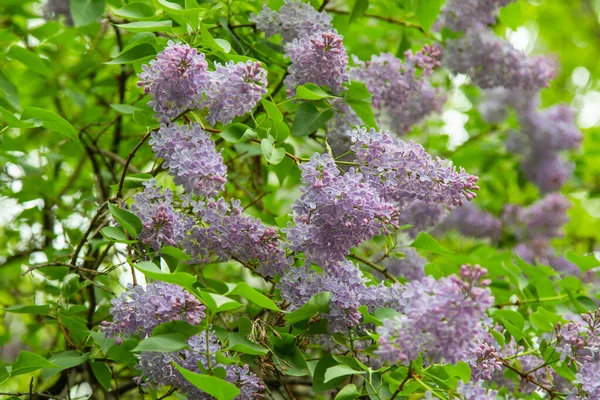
(151,270)
(51,121)
(28,362)
(85,12)
(216,387)
(358,10)
(239,343)
(143,50)
(129,221)
(102,373)
(166,343)
(308,119)
(236,133)
(319,303)
(348,392)
(37,310)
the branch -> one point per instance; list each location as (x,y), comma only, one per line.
(390,20)
(381,270)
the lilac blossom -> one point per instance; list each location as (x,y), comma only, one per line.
(491,62)
(475,391)
(175,79)
(471,221)
(233,90)
(441,319)
(191,157)
(294,20)
(139,310)
(320,59)
(588,378)
(485,362)
(469,15)
(336,211)
(553,128)
(548,171)
(223,232)
(404,172)
(157,369)
(422,216)
(411,267)
(543,219)
(579,340)
(162,225)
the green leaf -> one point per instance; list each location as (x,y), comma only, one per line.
(427,12)
(512,321)
(274,155)
(426,242)
(181,327)
(340,370)
(115,234)
(308,119)
(151,270)
(348,392)
(85,12)
(102,373)
(239,343)
(135,10)
(544,320)
(9,91)
(36,310)
(359,99)
(129,221)
(135,53)
(319,383)
(175,252)
(64,360)
(272,111)
(319,303)
(147,26)
(124,108)
(252,295)
(585,263)
(135,181)
(28,362)
(219,303)
(358,10)
(236,133)
(216,387)
(166,343)
(50,121)
(224,45)
(13,121)
(31,60)
(310,91)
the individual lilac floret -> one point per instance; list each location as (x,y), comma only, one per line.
(335,212)
(491,62)
(441,320)
(471,221)
(468,15)
(175,79)
(411,267)
(157,369)
(191,157)
(421,216)
(320,59)
(139,310)
(404,172)
(294,20)
(475,391)
(399,95)
(162,225)
(233,90)
(224,232)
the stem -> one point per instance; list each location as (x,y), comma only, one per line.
(377,268)
(408,377)
(400,22)
(538,300)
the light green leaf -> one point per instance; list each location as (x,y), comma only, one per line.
(151,270)
(510,15)
(147,26)
(219,303)
(427,12)
(13,121)
(9,91)
(175,252)
(216,387)
(50,121)
(129,221)
(358,9)
(252,295)
(85,12)
(340,370)
(28,362)
(166,343)
(274,155)
(348,392)
(236,133)
(585,263)
(124,108)
(31,60)
(239,343)
(310,91)
(115,234)
(143,50)
(319,303)
(272,111)
(64,360)
(23,309)
(426,242)
(135,10)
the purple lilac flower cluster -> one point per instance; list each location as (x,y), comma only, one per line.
(336,211)
(191,157)
(411,267)
(422,216)
(178,80)
(139,310)
(222,231)
(162,225)
(467,15)
(401,97)
(440,318)
(404,172)
(320,59)
(158,370)
(471,221)
(475,391)
(485,360)
(588,378)
(579,340)
(294,20)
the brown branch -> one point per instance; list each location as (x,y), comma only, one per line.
(409,375)
(390,20)
(381,270)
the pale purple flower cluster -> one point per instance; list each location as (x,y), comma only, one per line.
(162,225)
(139,310)
(411,267)
(475,391)
(157,369)
(403,172)
(233,90)
(422,216)
(466,15)
(579,340)
(485,362)
(588,378)
(471,221)
(441,319)
(222,231)
(179,80)
(320,59)
(336,211)
(398,93)
(294,20)
(491,62)
(191,157)
(175,79)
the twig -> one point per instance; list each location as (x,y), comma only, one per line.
(408,377)
(381,270)
(386,19)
